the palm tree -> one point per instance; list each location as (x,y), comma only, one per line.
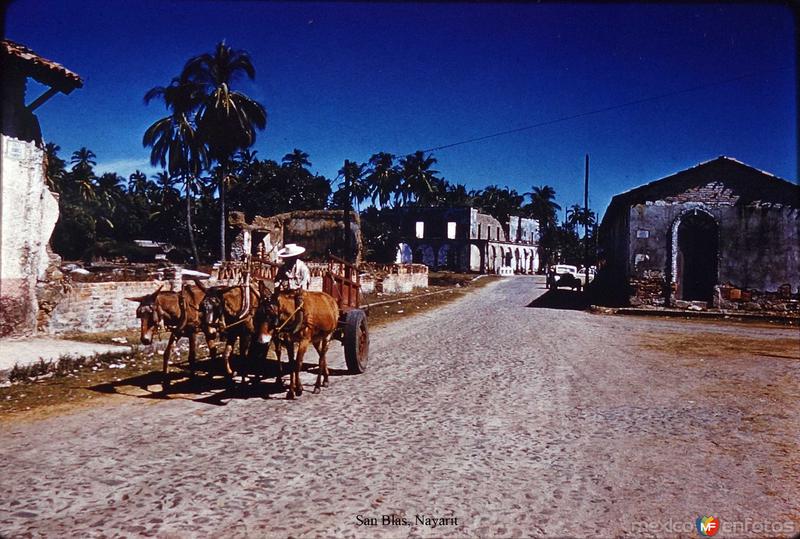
(174,142)
(354,173)
(226,119)
(417,176)
(543,207)
(457,195)
(109,194)
(168,196)
(54,167)
(83,162)
(383,178)
(296,159)
(245,161)
(578,215)
(296,178)
(437,196)
(83,159)
(137,183)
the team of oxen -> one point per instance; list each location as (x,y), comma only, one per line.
(257,315)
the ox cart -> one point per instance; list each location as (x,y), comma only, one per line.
(342,282)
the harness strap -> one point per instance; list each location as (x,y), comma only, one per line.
(296,329)
(242,316)
(242,321)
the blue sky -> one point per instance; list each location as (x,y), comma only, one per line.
(346,80)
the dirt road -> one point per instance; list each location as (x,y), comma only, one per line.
(482,418)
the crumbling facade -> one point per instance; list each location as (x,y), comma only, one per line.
(463,239)
(320,231)
(29,210)
(720,234)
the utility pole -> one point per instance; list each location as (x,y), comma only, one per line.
(586,222)
(347,210)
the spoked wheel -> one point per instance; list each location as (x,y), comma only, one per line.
(356,341)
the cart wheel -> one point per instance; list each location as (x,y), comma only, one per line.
(356,341)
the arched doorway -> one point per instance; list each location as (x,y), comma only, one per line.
(447,257)
(695,249)
(423,254)
(404,254)
(475,258)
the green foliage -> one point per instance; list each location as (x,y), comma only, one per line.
(499,202)
(380,233)
(119,211)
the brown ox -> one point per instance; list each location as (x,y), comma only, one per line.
(299,318)
(179,312)
(228,312)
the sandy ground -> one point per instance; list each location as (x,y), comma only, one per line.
(29,351)
(485,418)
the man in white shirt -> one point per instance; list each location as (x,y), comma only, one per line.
(294,274)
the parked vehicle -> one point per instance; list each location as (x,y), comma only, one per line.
(564,275)
(560,269)
(582,274)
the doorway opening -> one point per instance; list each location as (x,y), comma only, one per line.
(696,257)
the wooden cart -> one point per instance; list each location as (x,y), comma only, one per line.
(341,280)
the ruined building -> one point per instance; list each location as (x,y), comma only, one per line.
(320,231)
(463,239)
(721,234)
(29,210)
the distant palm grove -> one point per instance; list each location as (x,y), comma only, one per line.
(203,146)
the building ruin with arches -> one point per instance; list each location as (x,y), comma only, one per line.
(463,239)
(720,234)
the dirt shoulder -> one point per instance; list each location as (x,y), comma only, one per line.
(83,382)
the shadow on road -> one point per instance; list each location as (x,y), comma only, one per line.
(561,299)
(209,386)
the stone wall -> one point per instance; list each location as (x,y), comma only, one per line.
(751,221)
(649,289)
(92,307)
(728,297)
(29,214)
(407,278)
(759,247)
(487,228)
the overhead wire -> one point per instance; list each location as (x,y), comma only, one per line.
(605,109)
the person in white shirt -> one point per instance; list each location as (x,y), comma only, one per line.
(294,274)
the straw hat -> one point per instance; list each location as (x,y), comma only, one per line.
(291,249)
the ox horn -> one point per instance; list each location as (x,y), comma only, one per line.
(140,299)
(200,284)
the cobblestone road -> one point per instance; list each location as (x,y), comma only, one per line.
(500,419)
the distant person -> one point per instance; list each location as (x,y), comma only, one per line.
(294,274)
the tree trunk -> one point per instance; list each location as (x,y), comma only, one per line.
(189,223)
(222,218)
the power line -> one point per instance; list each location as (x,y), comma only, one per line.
(605,109)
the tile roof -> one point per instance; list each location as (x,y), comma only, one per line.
(41,69)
